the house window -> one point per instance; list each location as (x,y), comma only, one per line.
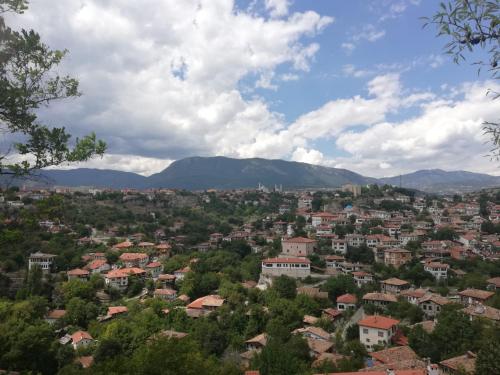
(380,333)
(365,331)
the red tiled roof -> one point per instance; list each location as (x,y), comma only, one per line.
(476,293)
(133,256)
(378,321)
(80,335)
(347,298)
(299,240)
(56,314)
(210,300)
(77,272)
(395,281)
(165,292)
(153,265)
(287,260)
(113,310)
(123,245)
(95,264)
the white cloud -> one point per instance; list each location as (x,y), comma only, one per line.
(348,47)
(160,78)
(277,8)
(446,134)
(350,70)
(368,32)
(308,156)
(127,163)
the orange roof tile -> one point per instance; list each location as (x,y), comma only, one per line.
(378,321)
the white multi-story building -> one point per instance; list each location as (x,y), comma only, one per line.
(293,267)
(339,246)
(377,330)
(44,261)
(437,269)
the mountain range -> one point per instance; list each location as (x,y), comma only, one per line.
(199,173)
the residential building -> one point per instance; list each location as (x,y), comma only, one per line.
(42,260)
(116,279)
(464,364)
(321,218)
(379,299)
(154,269)
(493,283)
(257,342)
(204,305)
(394,285)
(339,246)
(81,339)
(361,278)
(293,267)
(78,273)
(346,301)
(437,269)
(377,330)
(432,304)
(334,261)
(297,247)
(165,294)
(474,296)
(396,257)
(355,240)
(98,266)
(134,259)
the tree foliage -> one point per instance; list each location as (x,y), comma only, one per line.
(29,81)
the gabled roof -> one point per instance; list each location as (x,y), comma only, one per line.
(95,264)
(395,281)
(299,240)
(476,293)
(378,321)
(259,339)
(113,310)
(396,354)
(80,335)
(465,362)
(375,296)
(347,298)
(55,314)
(77,272)
(133,256)
(207,301)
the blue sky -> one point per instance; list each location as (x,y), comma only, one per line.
(358,85)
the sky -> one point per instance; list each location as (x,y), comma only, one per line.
(350,84)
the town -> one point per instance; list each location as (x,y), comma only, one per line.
(361,279)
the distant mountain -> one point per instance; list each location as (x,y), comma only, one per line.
(198,173)
(100,178)
(439,181)
(225,173)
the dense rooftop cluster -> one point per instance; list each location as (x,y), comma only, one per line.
(375,280)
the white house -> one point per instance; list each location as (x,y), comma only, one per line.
(44,261)
(293,267)
(377,330)
(437,269)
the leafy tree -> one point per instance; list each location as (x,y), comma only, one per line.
(336,286)
(28,81)
(80,312)
(285,286)
(487,357)
(470,25)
